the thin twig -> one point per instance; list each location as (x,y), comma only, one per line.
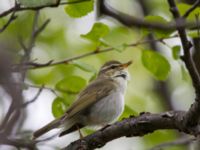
(33,65)
(14,112)
(44,87)
(190,10)
(34,98)
(41,28)
(131,21)
(21,43)
(10,20)
(18,143)
(134,126)
(27,49)
(18,8)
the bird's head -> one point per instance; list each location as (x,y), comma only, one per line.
(115,69)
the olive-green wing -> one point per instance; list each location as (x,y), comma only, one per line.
(90,95)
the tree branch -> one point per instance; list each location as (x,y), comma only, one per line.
(10,20)
(160,86)
(18,7)
(195,5)
(18,143)
(28,49)
(33,65)
(34,98)
(6,80)
(147,123)
(131,21)
(133,126)
(192,117)
(14,112)
(43,86)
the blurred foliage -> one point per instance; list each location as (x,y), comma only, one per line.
(98,31)
(161,137)
(71,84)
(58,107)
(184,7)
(156,64)
(77,10)
(74,31)
(157,33)
(176,52)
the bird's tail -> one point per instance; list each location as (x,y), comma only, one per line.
(54,124)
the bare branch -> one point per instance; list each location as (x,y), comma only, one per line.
(28,49)
(41,28)
(23,143)
(21,43)
(133,126)
(18,143)
(18,8)
(10,20)
(192,117)
(34,98)
(44,87)
(195,5)
(131,21)
(34,34)
(14,111)
(33,65)
(6,80)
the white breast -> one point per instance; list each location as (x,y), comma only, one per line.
(108,109)
(122,84)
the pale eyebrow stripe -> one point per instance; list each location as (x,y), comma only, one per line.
(104,68)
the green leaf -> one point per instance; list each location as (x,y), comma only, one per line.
(80,9)
(185,74)
(160,136)
(88,131)
(83,66)
(156,64)
(122,47)
(119,38)
(157,19)
(98,31)
(176,52)
(68,98)
(35,3)
(193,34)
(128,111)
(118,48)
(71,84)
(58,107)
(157,33)
(182,7)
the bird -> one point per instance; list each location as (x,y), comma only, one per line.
(99,104)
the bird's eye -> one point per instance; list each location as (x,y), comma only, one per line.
(113,67)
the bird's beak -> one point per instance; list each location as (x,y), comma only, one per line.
(125,65)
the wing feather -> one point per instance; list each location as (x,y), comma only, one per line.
(90,95)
